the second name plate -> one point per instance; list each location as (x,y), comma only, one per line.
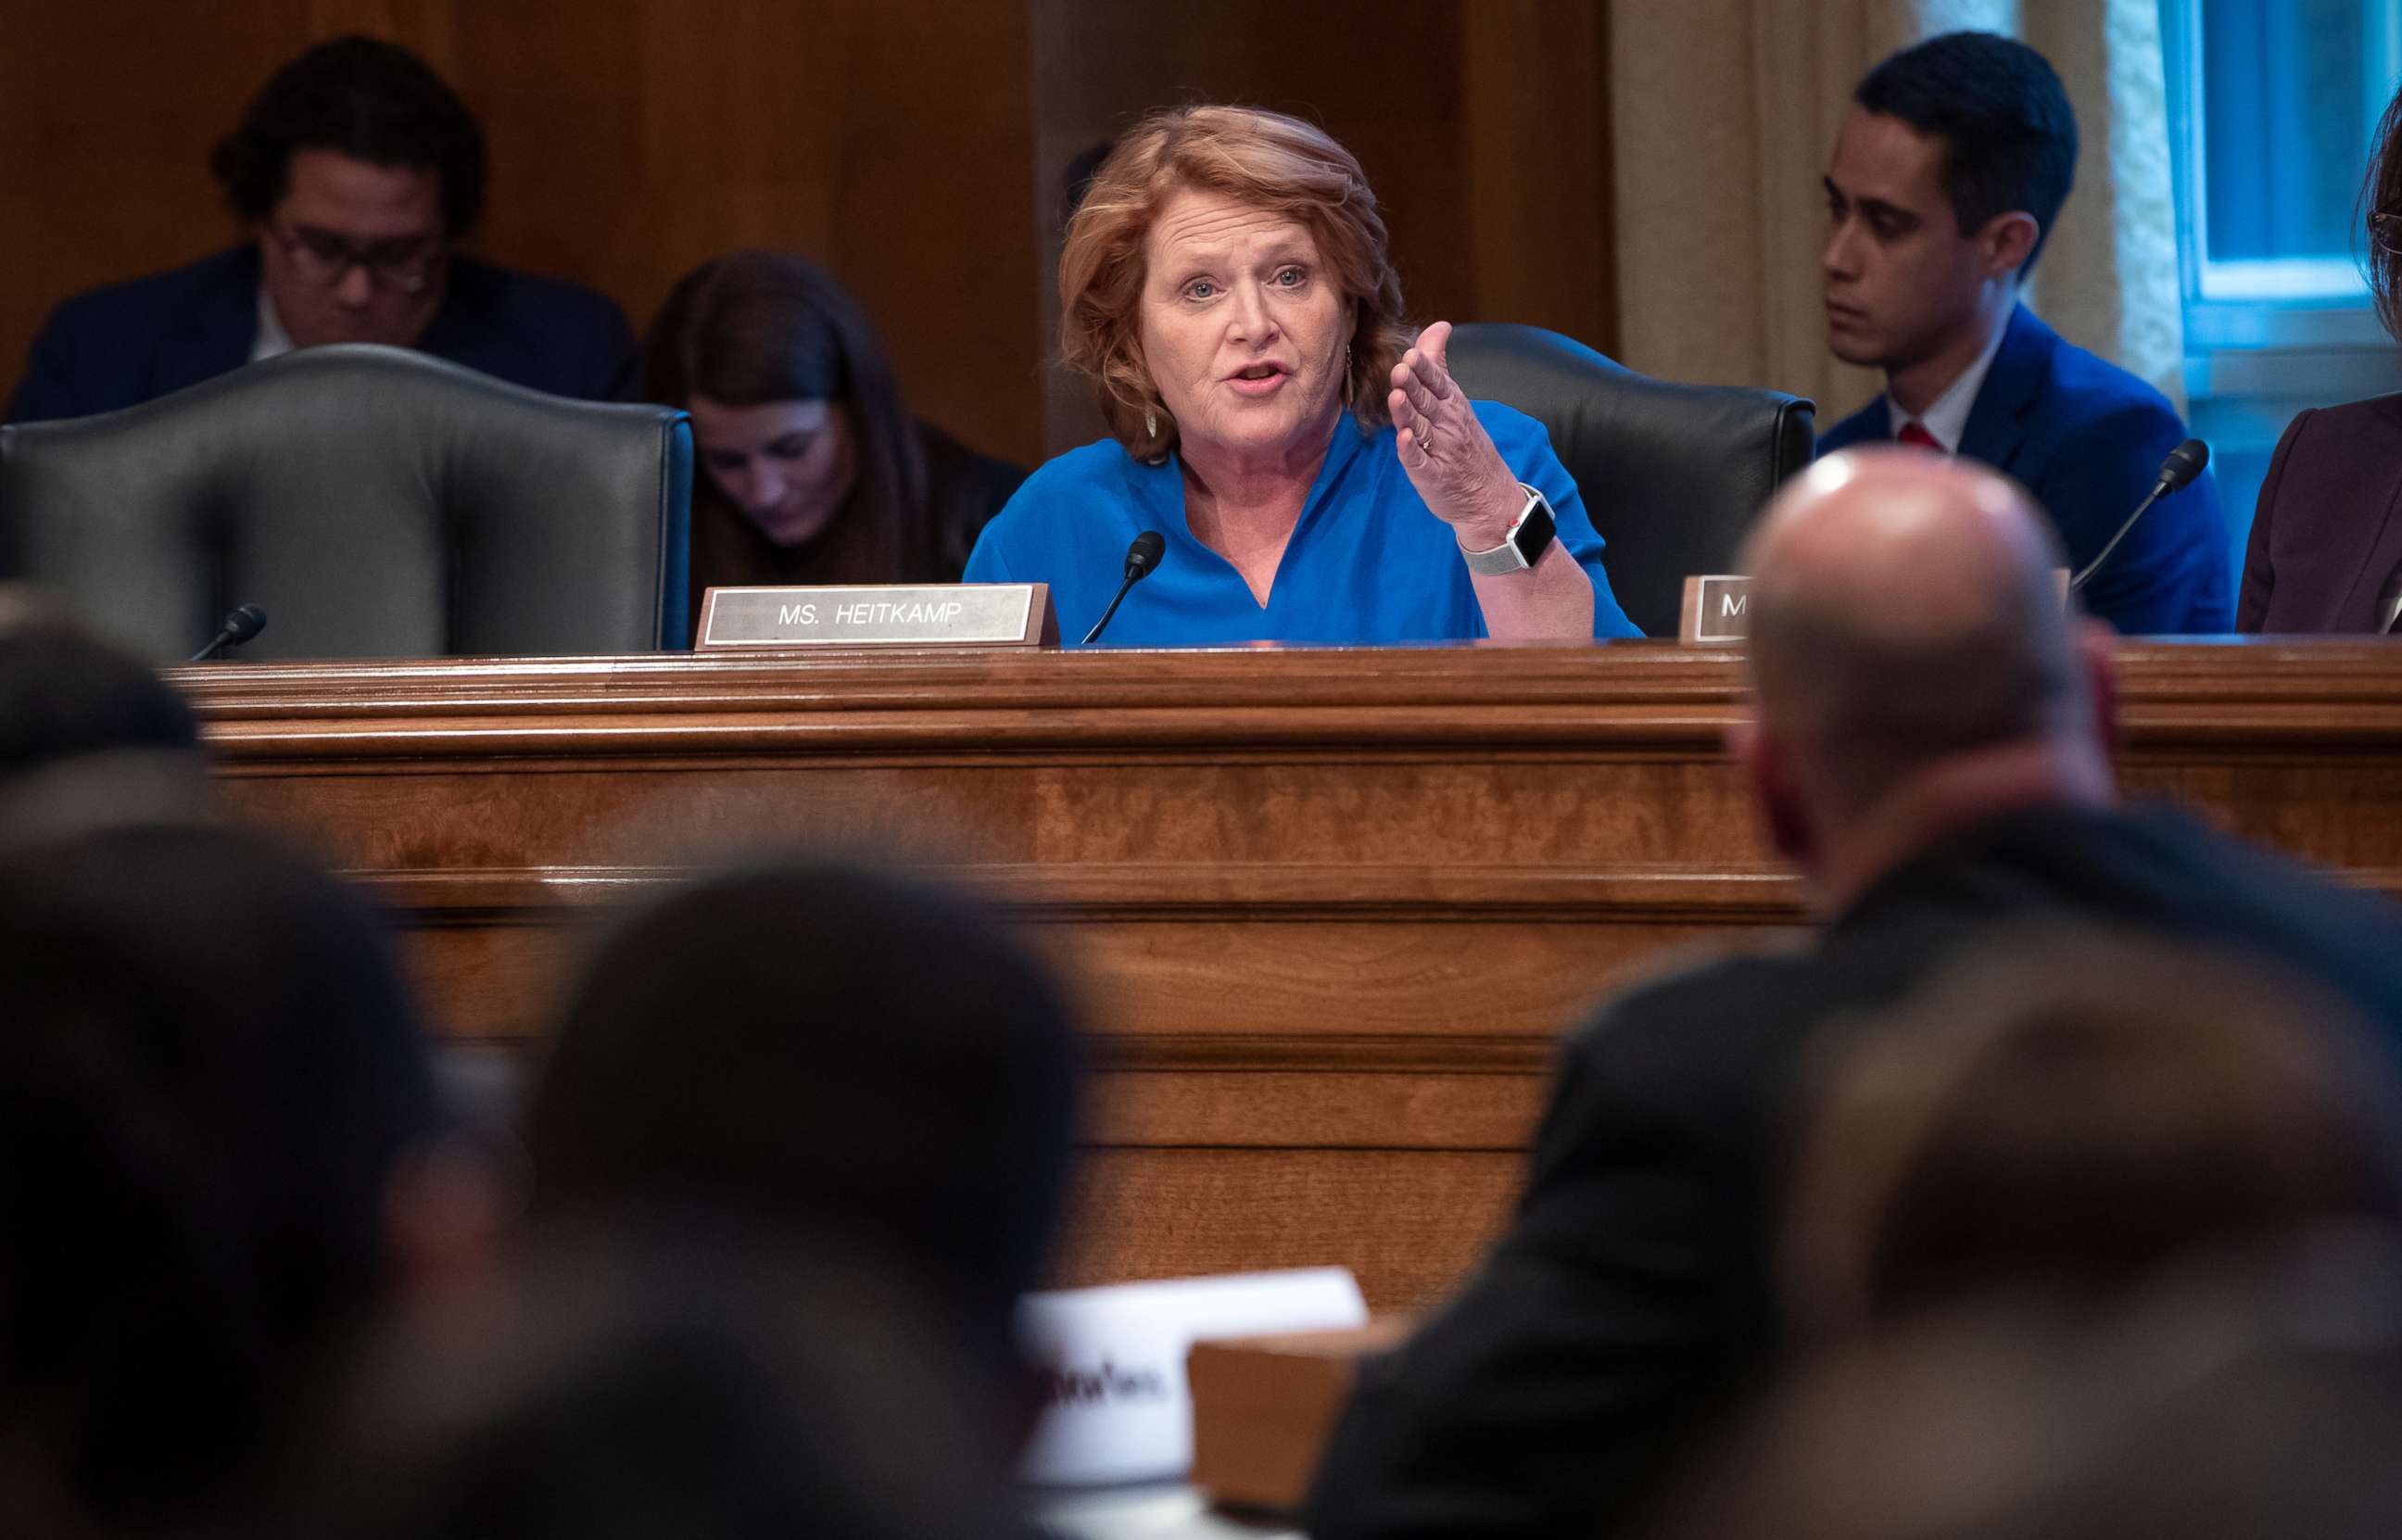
(950,615)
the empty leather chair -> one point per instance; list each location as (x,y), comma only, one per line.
(1674,476)
(375,502)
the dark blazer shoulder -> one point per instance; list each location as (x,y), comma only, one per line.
(124,343)
(2060,392)
(545,333)
(2090,389)
(159,296)
(2375,423)
(1870,424)
(2324,535)
(2087,438)
(1699,1057)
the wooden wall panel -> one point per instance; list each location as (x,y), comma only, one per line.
(108,114)
(630,140)
(1176,1213)
(1541,213)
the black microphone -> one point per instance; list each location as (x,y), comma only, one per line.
(238,627)
(2185,463)
(1141,558)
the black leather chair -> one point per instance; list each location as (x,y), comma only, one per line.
(1672,474)
(376,502)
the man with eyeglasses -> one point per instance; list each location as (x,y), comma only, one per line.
(357,170)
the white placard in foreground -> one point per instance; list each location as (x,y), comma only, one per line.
(1112,1363)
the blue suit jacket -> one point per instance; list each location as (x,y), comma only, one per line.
(130,342)
(2087,438)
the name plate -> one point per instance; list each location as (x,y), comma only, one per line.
(1718,608)
(950,615)
(1718,611)
(1118,1407)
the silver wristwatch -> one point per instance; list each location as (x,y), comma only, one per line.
(1530,533)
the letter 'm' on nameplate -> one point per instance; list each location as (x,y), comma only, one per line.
(1718,611)
(948,614)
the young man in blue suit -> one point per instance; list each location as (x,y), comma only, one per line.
(1945,180)
(357,170)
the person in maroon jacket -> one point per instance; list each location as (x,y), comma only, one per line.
(2325,551)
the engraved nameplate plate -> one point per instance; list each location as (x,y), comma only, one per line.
(1717,610)
(948,614)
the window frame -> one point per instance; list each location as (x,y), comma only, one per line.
(2238,304)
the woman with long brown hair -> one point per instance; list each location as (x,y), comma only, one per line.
(812,470)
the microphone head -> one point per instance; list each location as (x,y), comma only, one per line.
(1144,554)
(244,623)
(2185,463)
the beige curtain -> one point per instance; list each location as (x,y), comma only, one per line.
(1723,111)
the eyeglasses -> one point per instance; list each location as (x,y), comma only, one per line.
(2385,230)
(404,265)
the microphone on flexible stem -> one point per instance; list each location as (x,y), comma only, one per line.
(242,624)
(1141,558)
(2185,463)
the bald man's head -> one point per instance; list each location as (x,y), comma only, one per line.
(1905,610)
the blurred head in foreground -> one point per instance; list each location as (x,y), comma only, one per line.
(89,735)
(1913,664)
(632,1382)
(859,1056)
(2067,1112)
(212,1100)
(2243,1402)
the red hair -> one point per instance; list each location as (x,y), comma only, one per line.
(1264,158)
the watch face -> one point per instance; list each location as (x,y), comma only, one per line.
(1533,533)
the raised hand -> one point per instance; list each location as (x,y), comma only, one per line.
(1448,455)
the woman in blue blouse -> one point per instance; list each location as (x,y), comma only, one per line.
(1316,476)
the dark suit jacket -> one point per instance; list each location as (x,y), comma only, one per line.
(2087,438)
(1631,1299)
(130,342)
(2325,534)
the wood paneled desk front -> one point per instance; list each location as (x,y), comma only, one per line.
(1330,908)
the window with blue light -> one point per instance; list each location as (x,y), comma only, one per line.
(2272,105)
(2290,93)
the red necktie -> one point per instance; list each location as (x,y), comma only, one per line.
(1915,432)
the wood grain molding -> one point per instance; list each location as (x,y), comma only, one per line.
(1329,908)
(2285,693)
(1167,892)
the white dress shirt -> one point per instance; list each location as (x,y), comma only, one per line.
(271,339)
(1946,418)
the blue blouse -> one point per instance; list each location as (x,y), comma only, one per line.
(1366,563)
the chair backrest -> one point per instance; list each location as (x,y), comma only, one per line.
(1674,476)
(375,502)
